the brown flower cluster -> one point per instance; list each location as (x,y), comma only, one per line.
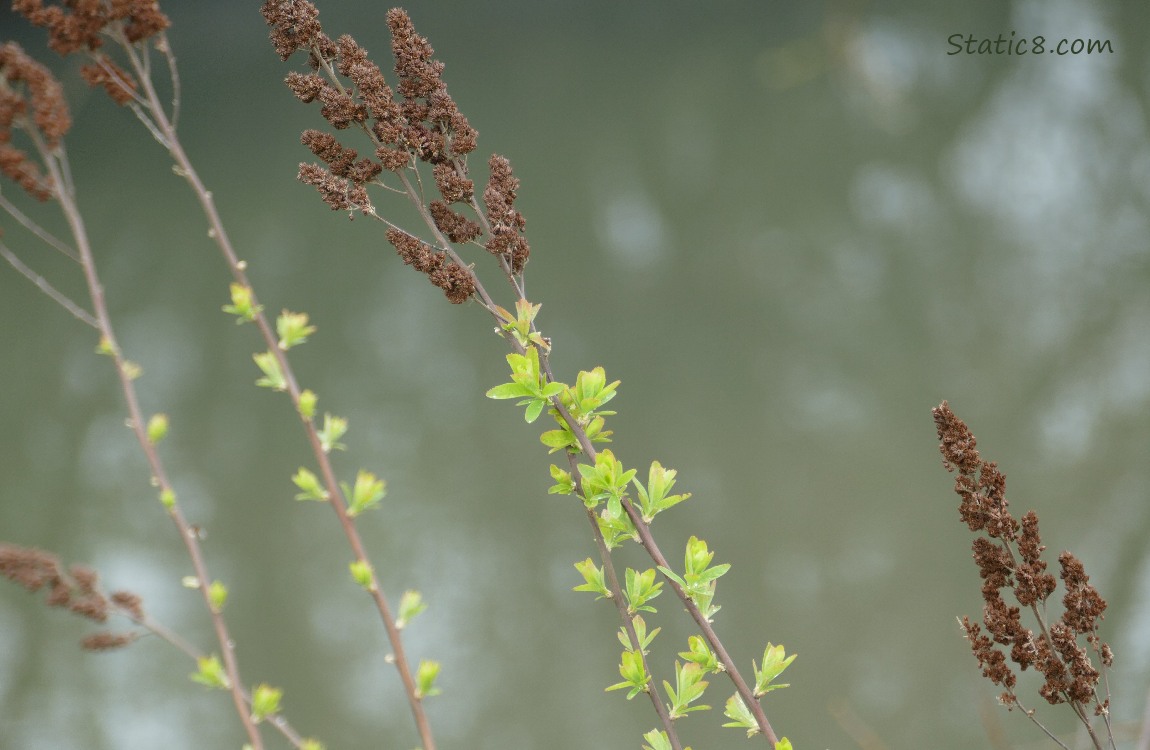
(81,26)
(506,222)
(455,280)
(76,589)
(30,97)
(416,121)
(77,25)
(1055,651)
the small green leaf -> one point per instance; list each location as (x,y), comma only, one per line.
(292,329)
(242,306)
(564,484)
(775,660)
(689,687)
(641,588)
(657,740)
(783,744)
(366,494)
(741,715)
(634,674)
(410,605)
(265,701)
(425,679)
(217,595)
(362,574)
(699,652)
(273,376)
(211,673)
(534,408)
(641,633)
(309,483)
(508,390)
(307,401)
(168,498)
(333,429)
(157,428)
(593,575)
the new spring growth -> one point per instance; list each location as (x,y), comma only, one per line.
(366,493)
(242,305)
(591,391)
(157,428)
(273,376)
(641,588)
(425,679)
(689,687)
(634,673)
(699,580)
(410,605)
(217,595)
(265,701)
(657,740)
(211,673)
(309,483)
(333,429)
(527,382)
(775,660)
(641,633)
(307,401)
(292,329)
(593,575)
(361,573)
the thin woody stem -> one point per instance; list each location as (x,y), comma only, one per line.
(628,622)
(335,495)
(652,548)
(55,161)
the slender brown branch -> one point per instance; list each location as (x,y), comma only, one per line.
(628,621)
(336,499)
(55,161)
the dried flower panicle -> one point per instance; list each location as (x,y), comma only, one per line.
(417,120)
(30,99)
(76,589)
(107,641)
(506,222)
(1009,557)
(83,25)
(456,282)
(78,25)
(116,82)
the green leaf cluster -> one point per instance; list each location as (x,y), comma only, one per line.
(634,673)
(595,582)
(265,701)
(527,382)
(242,306)
(641,633)
(699,579)
(425,678)
(641,588)
(273,376)
(410,605)
(522,325)
(582,402)
(292,329)
(211,673)
(699,652)
(689,687)
(653,499)
(366,494)
(775,660)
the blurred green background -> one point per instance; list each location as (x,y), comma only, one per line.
(790,229)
